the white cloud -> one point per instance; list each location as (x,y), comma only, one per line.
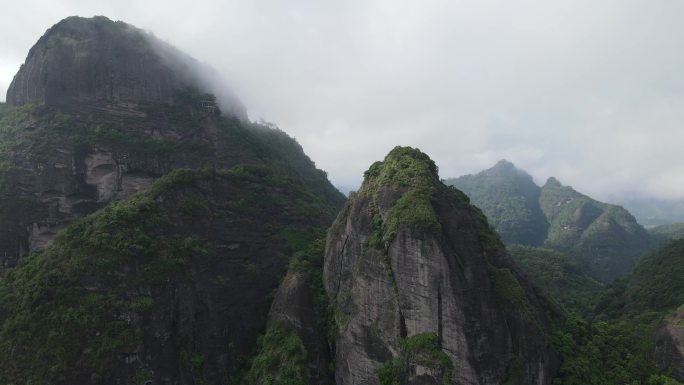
(591,92)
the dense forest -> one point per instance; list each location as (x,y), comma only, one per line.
(153,234)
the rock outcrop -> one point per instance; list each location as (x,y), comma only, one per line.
(98,61)
(424,290)
(293,309)
(103,109)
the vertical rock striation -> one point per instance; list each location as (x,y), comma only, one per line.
(424,290)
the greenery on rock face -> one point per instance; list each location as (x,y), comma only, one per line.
(614,345)
(421,349)
(558,274)
(36,134)
(281,355)
(71,309)
(414,175)
(308,261)
(410,176)
(507,287)
(281,359)
(275,148)
(509,197)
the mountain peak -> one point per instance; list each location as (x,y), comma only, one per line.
(403,166)
(93,61)
(553,182)
(504,164)
(410,239)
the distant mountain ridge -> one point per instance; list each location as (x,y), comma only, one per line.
(654,212)
(605,239)
(509,197)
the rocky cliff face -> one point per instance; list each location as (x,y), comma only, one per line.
(104,110)
(171,286)
(293,310)
(97,61)
(424,291)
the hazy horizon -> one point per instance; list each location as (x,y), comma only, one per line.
(592,94)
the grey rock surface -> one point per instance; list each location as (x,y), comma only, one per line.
(96,60)
(489,320)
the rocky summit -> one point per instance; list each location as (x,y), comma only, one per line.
(101,110)
(100,62)
(423,289)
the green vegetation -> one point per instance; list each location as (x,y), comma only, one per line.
(507,287)
(559,275)
(655,285)
(308,261)
(266,144)
(281,355)
(509,198)
(281,359)
(71,309)
(422,349)
(605,239)
(664,233)
(45,310)
(406,181)
(616,346)
(414,175)
(611,353)
(390,373)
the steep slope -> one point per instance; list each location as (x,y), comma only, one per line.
(605,239)
(656,284)
(651,298)
(664,233)
(423,290)
(112,110)
(509,198)
(558,274)
(296,348)
(170,286)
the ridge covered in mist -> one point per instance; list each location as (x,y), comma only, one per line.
(604,239)
(154,235)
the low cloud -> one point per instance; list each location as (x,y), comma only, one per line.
(590,92)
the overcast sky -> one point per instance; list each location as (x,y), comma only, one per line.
(591,92)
